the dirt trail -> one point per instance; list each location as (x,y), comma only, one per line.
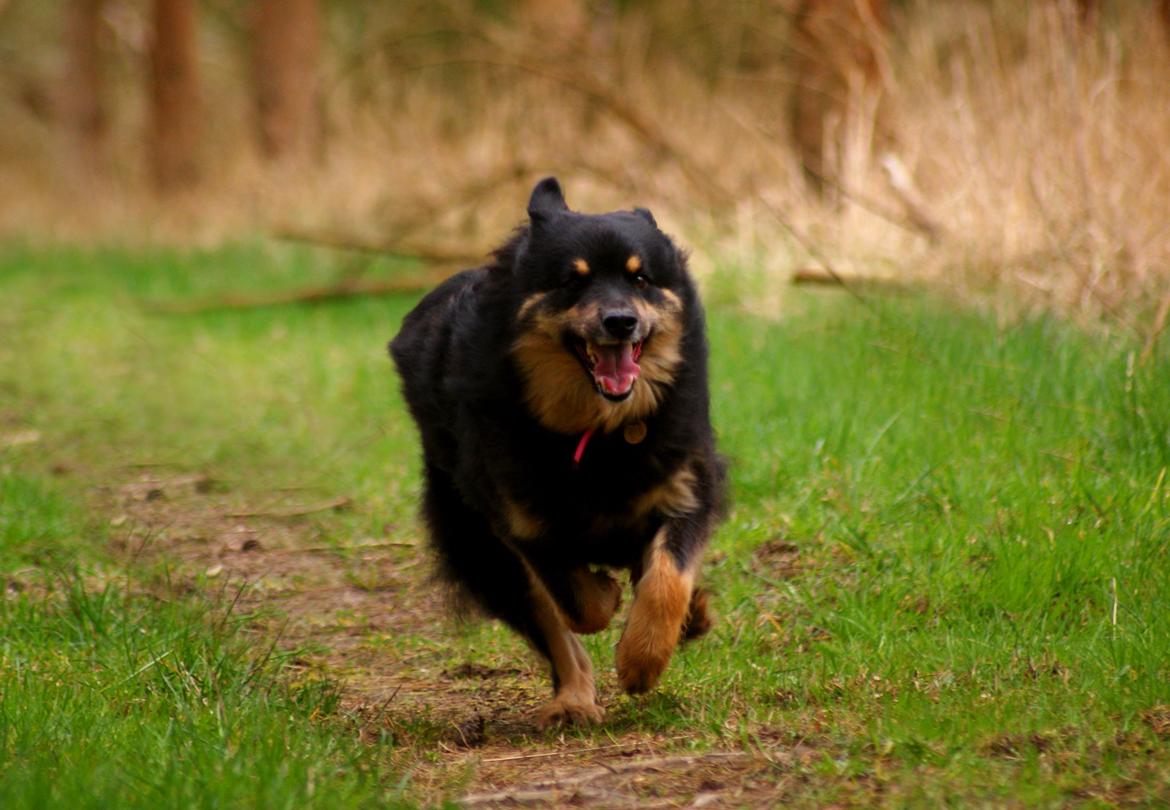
(465,731)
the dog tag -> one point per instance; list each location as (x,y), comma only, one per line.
(635,432)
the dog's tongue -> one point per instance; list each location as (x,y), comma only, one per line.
(616,368)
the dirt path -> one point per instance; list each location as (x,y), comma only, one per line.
(463,731)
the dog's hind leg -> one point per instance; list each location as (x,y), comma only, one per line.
(587,598)
(506,587)
(599,596)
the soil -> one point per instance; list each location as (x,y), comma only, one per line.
(467,731)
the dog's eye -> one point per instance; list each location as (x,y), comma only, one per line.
(641,282)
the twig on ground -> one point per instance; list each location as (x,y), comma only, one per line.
(554,796)
(295,511)
(570,752)
(323,549)
(200,482)
(545,790)
(386,703)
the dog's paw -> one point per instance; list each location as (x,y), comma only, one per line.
(640,665)
(655,626)
(600,596)
(571,707)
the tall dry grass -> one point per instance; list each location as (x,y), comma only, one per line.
(1038,150)
(1044,150)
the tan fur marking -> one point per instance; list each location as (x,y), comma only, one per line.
(599,595)
(633,264)
(575,700)
(522,524)
(560,394)
(661,603)
(528,303)
(674,497)
(581,267)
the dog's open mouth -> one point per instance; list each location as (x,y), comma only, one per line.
(613,366)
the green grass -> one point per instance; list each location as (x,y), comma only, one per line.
(109,698)
(970,522)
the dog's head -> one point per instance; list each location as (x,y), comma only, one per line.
(599,315)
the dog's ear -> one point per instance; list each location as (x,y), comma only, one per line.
(645,214)
(546,201)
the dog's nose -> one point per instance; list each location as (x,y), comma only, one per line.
(620,323)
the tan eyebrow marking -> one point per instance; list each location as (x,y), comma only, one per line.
(633,264)
(581,266)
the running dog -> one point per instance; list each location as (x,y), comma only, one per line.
(561,396)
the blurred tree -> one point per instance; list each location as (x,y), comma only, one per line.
(286,52)
(838,66)
(174,96)
(82,111)
(1088,12)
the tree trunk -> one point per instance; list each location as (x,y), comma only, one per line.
(174,96)
(1088,14)
(81,97)
(287,47)
(838,64)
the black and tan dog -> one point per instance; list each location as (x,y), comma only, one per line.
(561,394)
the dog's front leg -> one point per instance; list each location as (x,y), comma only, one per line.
(662,602)
(574,696)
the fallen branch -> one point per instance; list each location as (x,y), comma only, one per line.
(816,277)
(303,295)
(428,254)
(295,511)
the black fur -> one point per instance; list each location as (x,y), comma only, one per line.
(484,448)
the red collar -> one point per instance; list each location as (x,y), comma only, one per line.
(580,451)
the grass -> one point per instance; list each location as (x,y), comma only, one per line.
(112,698)
(946,568)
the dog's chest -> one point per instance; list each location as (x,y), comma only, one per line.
(605,488)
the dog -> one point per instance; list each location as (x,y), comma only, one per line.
(561,396)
